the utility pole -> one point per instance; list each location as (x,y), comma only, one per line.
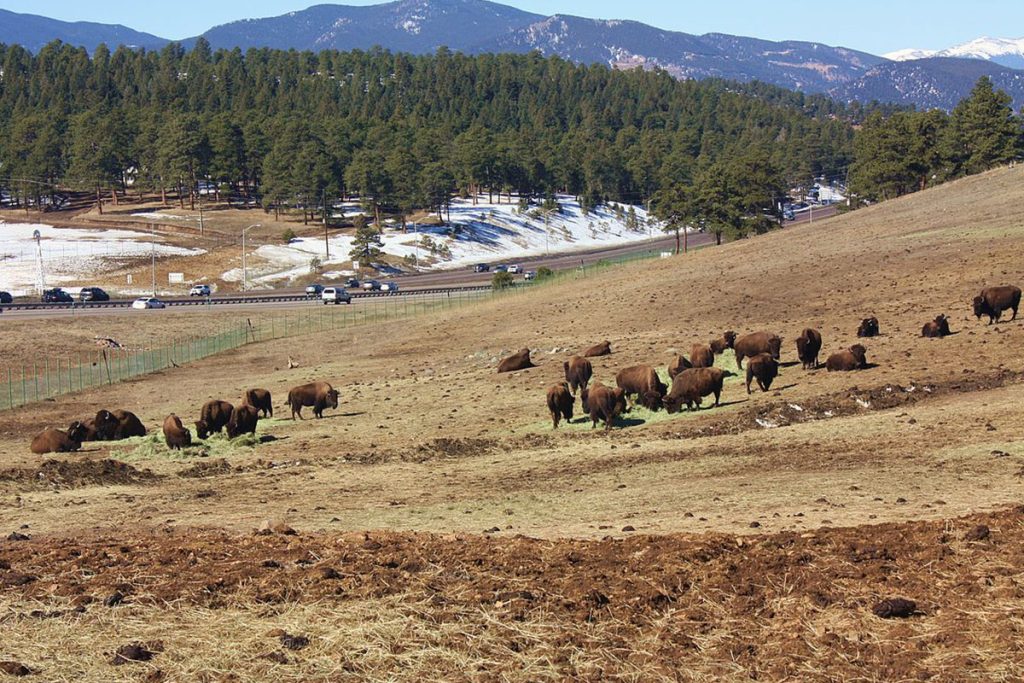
(152,243)
(40,279)
(202,227)
(327,242)
(255,225)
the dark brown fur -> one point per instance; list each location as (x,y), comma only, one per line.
(994,300)
(243,421)
(936,328)
(643,382)
(213,417)
(718,346)
(56,441)
(868,327)
(602,349)
(701,356)
(678,365)
(260,399)
(808,345)
(175,434)
(560,401)
(603,403)
(691,385)
(853,358)
(764,369)
(749,345)
(578,372)
(520,360)
(320,395)
(128,425)
(102,427)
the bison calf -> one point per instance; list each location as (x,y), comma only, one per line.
(749,345)
(320,395)
(603,403)
(994,300)
(808,345)
(691,385)
(764,369)
(868,327)
(936,328)
(517,361)
(175,434)
(578,372)
(853,358)
(260,400)
(56,441)
(213,417)
(560,401)
(643,382)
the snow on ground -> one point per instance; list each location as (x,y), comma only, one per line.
(484,233)
(69,254)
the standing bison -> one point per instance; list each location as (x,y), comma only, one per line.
(726,342)
(994,300)
(678,365)
(808,345)
(213,417)
(702,356)
(854,358)
(603,403)
(749,345)
(260,400)
(764,369)
(175,434)
(519,360)
(691,385)
(936,328)
(868,327)
(643,382)
(243,421)
(578,372)
(560,401)
(320,395)
(56,441)
(602,349)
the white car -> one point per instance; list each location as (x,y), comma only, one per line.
(335,295)
(530,275)
(515,268)
(389,286)
(200,290)
(145,302)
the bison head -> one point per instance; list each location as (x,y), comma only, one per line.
(860,353)
(106,425)
(775,345)
(672,405)
(584,395)
(651,400)
(202,429)
(332,398)
(729,337)
(980,306)
(77,431)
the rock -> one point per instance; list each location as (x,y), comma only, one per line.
(628,527)
(894,608)
(15,669)
(268,528)
(15,536)
(978,533)
(136,652)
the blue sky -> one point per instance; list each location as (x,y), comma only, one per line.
(875,26)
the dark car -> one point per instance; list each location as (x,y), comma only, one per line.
(57,296)
(314,290)
(501,268)
(93,294)
(6,298)
(352,283)
(481,268)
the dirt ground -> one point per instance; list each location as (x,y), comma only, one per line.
(446,532)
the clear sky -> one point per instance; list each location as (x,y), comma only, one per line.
(875,26)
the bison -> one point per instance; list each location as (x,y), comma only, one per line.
(213,417)
(102,427)
(520,360)
(678,365)
(642,381)
(853,358)
(602,349)
(808,344)
(868,327)
(701,356)
(128,425)
(764,369)
(603,403)
(56,441)
(260,400)
(718,346)
(749,345)
(936,328)
(994,300)
(689,386)
(578,372)
(243,421)
(560,401)
(320,395)
(175,434)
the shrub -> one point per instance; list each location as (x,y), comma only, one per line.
(543,273)
(502,281)
(288,235)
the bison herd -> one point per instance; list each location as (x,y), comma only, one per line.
(215,416)
(694,378)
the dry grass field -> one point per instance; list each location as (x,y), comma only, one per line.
(434,527)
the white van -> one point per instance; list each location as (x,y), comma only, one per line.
(335,295)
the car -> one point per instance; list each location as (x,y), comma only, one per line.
(200,290)
(93,294)
(6,298)
(57,296)
(144,302)
(515,268)
(530,275)
(314,290)
(370,285)
(481,268)
(389,286)
(501,268)
(335,295)
(352,282)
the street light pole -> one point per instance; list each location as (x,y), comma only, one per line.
(152,244)
(255,225)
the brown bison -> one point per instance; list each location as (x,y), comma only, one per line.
(560,401)
(260,400)
(853,358)
(764,369)
(726,342)
(643,382)
(56,441)
(868,327)
(213,417)
(128,425)
(749,345)
(691,385)
(578,372)
(701,356)
(520,360)
(102,427)
(320,395)
(936,328)
(678,365)
(994,300)
(602,349)
(175,434)
(603,403)
(808,345)
(243,421)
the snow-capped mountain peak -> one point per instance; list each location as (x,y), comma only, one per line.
(1006,51)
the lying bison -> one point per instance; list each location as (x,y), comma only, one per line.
(702,356)
(994,300)
(678,365)
(519,360)
(643,382)
(175,434)
(603,403)
(936,328)
(578,372)
(764,369)
(560,401)
(808,345)
(243,421)
(726,342)
(320,395)
(853,358)
(56,441)
(128,425)
(691,385)
(602,349)
(213,417)
(260,400)
(868,327)
(749,345)
(102,427)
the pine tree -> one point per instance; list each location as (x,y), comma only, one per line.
(367,241)
(983,131)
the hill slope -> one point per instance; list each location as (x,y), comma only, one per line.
(33,32)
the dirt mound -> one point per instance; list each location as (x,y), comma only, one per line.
(69,474)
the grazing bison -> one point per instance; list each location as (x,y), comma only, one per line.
(808,344)
(868,327)
(102,427)
(936,328)
(320,395)
(603,403)
(678,365)
(853,358)
(691,385)
(243,421)
(994,300)
(520,360)
(560,401)
(642,381)
(749,345)
(701,356)
(764,369)
(128,425)
(56,441)
(260,400)
(213,417)
(175,434)
(602,349)
(578,372)
(718,346)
